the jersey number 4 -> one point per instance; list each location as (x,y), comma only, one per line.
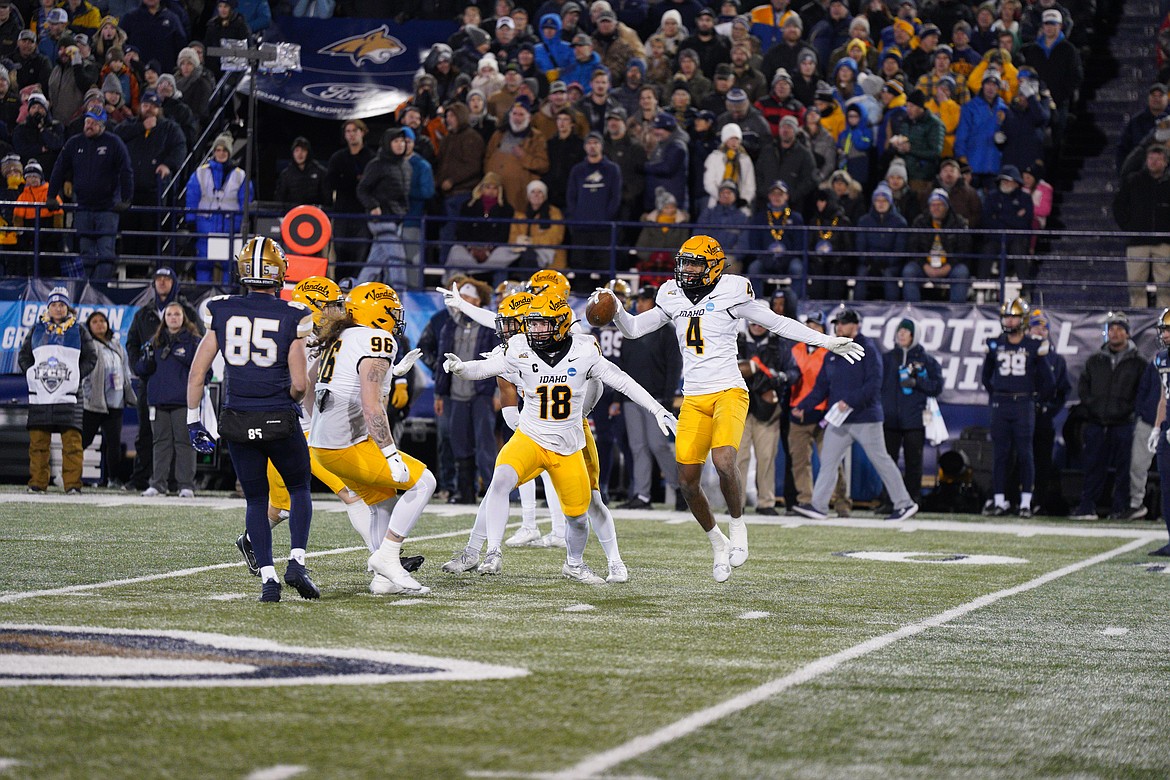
(1012,363)
(554,402)
(695,335)
(247,341)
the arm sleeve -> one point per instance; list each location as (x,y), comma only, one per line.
(477,314)
(25,360)
(635,326)
(757,311)
(988,370)
(619,380)
(486,368)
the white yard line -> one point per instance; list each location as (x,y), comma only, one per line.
(278,772)
(593,766)
(11,597)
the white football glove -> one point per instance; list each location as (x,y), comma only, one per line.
(399,471)
(846,348)
(511,416)
(452,364)
(451,297)
(1152,440)
(402,368)
(667,422)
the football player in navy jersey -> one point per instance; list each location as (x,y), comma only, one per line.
(262,339)
(1159,440)
(1015,374)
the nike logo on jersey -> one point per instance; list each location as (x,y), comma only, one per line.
(570,360)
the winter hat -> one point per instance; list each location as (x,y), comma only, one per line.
(59,294)
(897,168)
(1037,317)
(728,184)
(883,190)
(488,61)
(662,198)
(730,130)
(189,55)
(846,62)
(737,95)
(689,54)
(1011,173)
(892,53)
(779,184)
(1116,317)
(917,98)
(96,113)
(939,194)
(824,91)
(31,167)
(790,120)
(944,49)
(112,83)
(907,324)
(167,271)
(151,97)
(781,75)
(477,37)
(408,133)
(170,79)
(1051,15)
(664,121)
(637,62)
(300,142)
(672,14)
(224,140)
(523,102)
(809,54)
(39,99)
(894,87)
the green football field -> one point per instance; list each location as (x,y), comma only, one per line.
(938,647)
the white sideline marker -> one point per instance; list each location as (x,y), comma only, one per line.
(9,763)
(754,615)
(579,608)
(408,602)
(278,772)
(594,766)
(227,596)
(1115,631)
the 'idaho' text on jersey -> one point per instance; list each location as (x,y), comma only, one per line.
(338,421)
(254,333)
(707,333)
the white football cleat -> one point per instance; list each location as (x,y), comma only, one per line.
(461,561)
(524,538)
(618,572)
(381,586)
(389,567)
(581,573)
(550,540)
(721,571)
(493,563)
(739,545)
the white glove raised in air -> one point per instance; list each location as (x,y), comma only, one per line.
(451,297)
(846,348)
(399,471)
(599,291)
(402,368)
(1152,440)
(452,364)
(511,416)
(667,422)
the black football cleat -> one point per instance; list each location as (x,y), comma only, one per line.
(244,545)
(270,591)
(1026,512)
(411,562)
(1162,552)
(297,576)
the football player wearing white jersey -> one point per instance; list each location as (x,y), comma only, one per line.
(350,434)
(705,306)
(552,368)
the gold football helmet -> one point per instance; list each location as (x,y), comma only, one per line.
(549,281)
(376,305)
(510,314)
(699,250)
(1162,324)
(507,287)
(261,263)
(1018,308)
(316,292)
(620,288)
(547,321)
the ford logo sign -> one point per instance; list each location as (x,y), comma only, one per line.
(348,93)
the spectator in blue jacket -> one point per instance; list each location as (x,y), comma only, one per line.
(166,358)
(853,391)
(103,184)
(467,403)
(881,249)
(593,194)
(585,63)
(979,133)
(215,201)
(1024,125)
(777,240)
(909,377)
(553,53)
(666,166)
(1007,207)
(725,222)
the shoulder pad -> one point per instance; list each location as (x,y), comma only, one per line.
(205,309)
(297,305)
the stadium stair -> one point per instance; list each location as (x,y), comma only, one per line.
(1119,67)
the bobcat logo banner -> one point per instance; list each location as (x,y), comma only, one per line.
(350,68)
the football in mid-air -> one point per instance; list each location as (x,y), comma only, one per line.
(601,309)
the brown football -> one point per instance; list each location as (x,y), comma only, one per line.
(601,311)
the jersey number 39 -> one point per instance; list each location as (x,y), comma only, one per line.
(247,341)
(1012,363)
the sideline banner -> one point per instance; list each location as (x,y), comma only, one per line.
(350,68)
(956,336)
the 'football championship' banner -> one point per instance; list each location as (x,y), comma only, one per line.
(956,336)
(350,68)
(18,316)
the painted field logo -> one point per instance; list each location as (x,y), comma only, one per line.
(376,46)
(122,658)
(930,557)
